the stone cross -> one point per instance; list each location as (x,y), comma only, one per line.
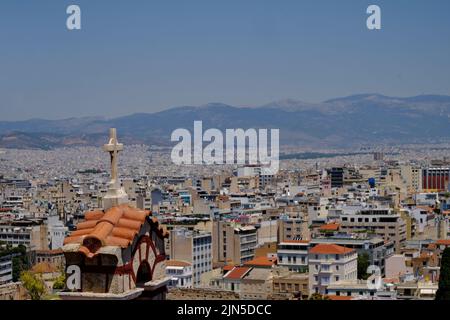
(113,147)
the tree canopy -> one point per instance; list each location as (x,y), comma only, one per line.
(34,285)
(363,264)
(443,292)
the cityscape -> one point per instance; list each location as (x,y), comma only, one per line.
(253,154)
(369,226)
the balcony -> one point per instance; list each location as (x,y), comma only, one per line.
(325,271)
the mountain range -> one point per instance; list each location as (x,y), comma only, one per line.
(347,121)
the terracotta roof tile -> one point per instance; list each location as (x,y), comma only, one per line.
(339,298)
(228,267)
(261,261)
(330,227)
(177,263)
(237,273)
(445,242)
(116,227)
(330,249)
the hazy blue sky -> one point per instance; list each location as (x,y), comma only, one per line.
(144,56)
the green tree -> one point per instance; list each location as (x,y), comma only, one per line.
(443,292)
(363,264)
(318,296)
(60,282)
(33,284)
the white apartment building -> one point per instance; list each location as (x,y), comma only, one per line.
(180,273)
(293,254)
(330,263)
(56,232)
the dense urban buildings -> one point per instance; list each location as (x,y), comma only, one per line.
(235,231)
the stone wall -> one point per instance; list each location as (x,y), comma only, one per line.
(197,294)
(13,291)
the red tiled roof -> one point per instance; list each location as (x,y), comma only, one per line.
(339,298)
(330,227)
(116,227)
(237,273)
(445,242)
(177,263)
(261,261)
(228,267)
(330,249)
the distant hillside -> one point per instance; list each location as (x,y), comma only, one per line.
(365,118)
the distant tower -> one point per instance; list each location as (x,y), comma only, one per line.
(116,194)
(442,227)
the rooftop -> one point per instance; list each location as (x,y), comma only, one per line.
(177,263)
(330,249)
(116,227)
(237,273)
(261,262)
(330,227)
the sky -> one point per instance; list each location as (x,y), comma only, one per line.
(145,56)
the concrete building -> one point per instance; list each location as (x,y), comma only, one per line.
(330,263)
(435,179)
(53,257)
(412,176)
(337,177)
(56,232)
(376,249)
(233,244)
(292,229)
(378,222)
(257,284)
(352,289)
(6,270)
(290,285)
(32,234)
(194,247)
(180,273)
(293,255)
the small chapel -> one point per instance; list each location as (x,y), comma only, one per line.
(117,252)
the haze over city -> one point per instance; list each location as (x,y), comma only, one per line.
(146,56)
